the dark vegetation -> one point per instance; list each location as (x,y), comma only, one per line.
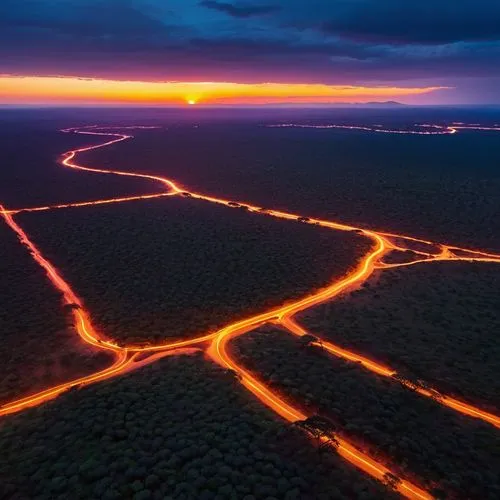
(437,321)
(39,346)
(31,175)
(179,429)
(400,257)
(456,456)
(416,246)
(442,188)
(177,267)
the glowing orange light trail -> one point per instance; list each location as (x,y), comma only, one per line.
(437,129)
(123,364)
(68,157)
(88,203)
(298,330)
(126,356)
(69,296)
(366,267)
(123,355)
(117,367)
(375,367)
(359,459)
(442,131)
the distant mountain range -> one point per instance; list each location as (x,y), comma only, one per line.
(383,103)
(369,104)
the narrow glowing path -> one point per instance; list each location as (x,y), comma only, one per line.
(127,357)
(218,351)
(384,371)
(428,129)
(89,203)
(70,155)
(124,356)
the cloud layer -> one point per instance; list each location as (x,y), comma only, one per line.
(357,42)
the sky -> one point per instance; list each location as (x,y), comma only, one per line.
(249,51)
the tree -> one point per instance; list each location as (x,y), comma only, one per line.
(391,480)
(405,382)
(71,306)
(322,429)
(234,375)
(308,340)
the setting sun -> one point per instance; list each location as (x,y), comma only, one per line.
(38,89)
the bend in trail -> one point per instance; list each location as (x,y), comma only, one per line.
(429,129)
(126,358)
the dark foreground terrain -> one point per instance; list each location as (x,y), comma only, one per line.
(438,322)
(453,455)
(39,346)
(172,268)
(148,271)
(181,429)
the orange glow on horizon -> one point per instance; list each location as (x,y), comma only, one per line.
(66,90)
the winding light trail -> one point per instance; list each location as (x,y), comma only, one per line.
(436,129)
(126,358)
(359,459)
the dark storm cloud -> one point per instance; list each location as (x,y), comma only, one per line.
(329,41)
(235,11)
(77,18)
(415,21)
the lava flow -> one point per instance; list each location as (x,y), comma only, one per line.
(126,358)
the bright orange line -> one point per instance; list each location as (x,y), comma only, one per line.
(126,355)
(218,352)
(117,367)
(89,203)
(296,329)
(85,331)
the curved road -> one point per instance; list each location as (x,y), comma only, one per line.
(126,358)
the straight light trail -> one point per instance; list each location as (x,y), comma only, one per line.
(127,357)
(293,327)
(289,324)
(88,203)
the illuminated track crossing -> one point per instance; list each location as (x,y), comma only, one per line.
(126,358)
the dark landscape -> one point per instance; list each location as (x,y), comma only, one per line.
(437,322)
(40,347)
(182,428)
(249,250)
(442,188)
(420,436)
(154,272)
(186,267)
